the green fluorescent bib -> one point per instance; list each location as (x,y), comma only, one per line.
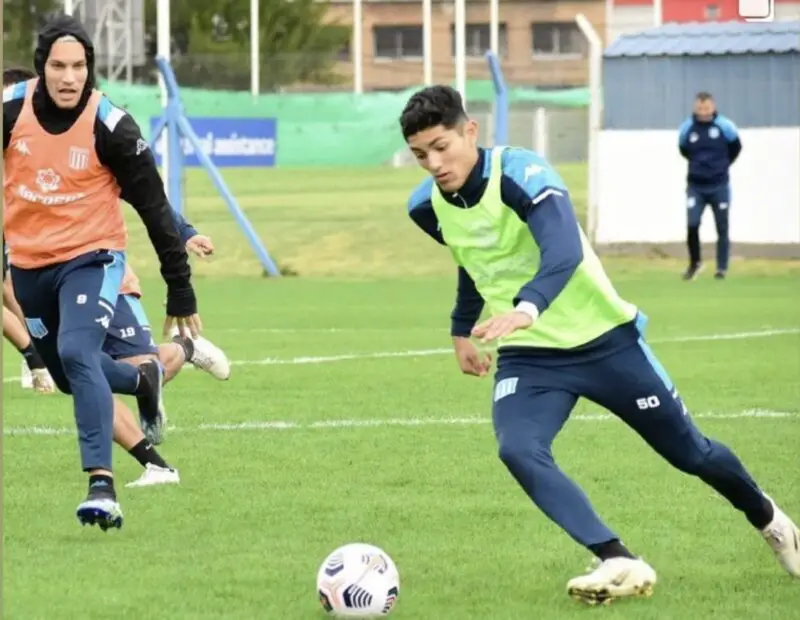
(499,252)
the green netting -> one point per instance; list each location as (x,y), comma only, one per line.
(482,91)
(321,129)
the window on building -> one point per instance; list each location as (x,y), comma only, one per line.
(398,41)
(712,11)
(557,39)
(478,39)
(344,52)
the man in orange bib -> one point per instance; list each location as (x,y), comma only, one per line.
(70,155)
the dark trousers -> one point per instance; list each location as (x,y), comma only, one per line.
(68,308)
(532,401)
(697,198)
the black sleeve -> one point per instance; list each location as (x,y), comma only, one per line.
(468,308)
(424,216)
(11,110)
(127,155)
(734,148)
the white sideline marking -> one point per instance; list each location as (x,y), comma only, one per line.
(271,361)
(325,330)
(736,336)
(325,359)
(281,425)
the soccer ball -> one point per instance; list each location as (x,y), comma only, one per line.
(358,580)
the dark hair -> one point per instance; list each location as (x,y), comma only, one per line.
(17,74)
(704,96)
(432,106)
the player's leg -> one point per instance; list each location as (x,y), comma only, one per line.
(130,342)
(173,356)
(134,324)
(129,436)
(204,355)
(721,206)
(633,385)
(17,334)
(199,352)
(87,293)
(527,417)
(39,292)
(695,205)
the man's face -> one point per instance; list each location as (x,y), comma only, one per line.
(66,72)
(704,109)
(447,154)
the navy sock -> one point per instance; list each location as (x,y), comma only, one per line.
(761,516)
(102,481)
(611,549)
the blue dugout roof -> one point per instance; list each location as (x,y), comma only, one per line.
(709,38)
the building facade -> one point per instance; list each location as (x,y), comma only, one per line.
(632,16)
(540,42)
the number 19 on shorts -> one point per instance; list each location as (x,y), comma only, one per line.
(757,10)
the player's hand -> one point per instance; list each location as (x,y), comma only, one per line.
(188,326)
(182,312)
(502,325)
(470,360)
(200,245)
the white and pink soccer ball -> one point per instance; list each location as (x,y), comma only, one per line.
(358,580)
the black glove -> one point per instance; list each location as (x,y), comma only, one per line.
(181,302)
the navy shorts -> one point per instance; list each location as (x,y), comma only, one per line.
(129,334)
(78,295)
(533,400)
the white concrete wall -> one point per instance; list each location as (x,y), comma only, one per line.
(642,189)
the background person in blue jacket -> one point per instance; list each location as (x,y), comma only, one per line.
(710,143)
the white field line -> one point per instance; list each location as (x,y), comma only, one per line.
(327,359)
(324,359)
(283,425)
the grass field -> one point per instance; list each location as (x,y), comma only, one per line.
(346,419)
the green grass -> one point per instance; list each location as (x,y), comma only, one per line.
(358,229)
(260,507)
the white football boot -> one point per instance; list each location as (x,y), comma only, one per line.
(613,578)
(208,357)
(783,537)
(154,475)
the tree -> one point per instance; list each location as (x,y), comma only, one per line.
(21,20)
(212,41)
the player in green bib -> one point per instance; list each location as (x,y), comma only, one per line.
(563,332)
